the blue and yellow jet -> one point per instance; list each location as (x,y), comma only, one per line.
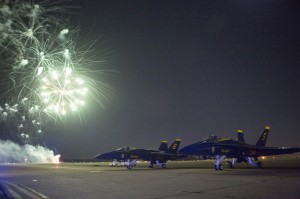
(131,155)
(237,150)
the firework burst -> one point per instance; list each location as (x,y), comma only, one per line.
(41,71)
(63,91)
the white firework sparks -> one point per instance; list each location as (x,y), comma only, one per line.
(63,91)
(40,66)
(46,68)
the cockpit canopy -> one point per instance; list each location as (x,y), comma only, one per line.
(210,138)
(125,148)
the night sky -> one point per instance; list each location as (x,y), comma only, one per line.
(188,69)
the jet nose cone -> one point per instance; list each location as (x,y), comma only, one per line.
(98,156)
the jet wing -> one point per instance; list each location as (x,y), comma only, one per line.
(252,150)
(267,151)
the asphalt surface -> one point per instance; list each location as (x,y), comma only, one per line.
(179,180)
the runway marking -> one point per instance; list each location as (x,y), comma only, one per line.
(12,193)
(95,171)
(35,192)
(19,191)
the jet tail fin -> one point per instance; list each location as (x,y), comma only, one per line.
(163,146)
(175,146)
(240,135)
(263,138)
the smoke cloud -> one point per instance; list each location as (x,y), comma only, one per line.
(11,152)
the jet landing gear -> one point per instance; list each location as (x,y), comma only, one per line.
(129,164)
(252,162)
(162,165)
(218,163)
(232,163)
(259,165)
(219,167)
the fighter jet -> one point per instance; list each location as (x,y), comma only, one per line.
(131,155)
(237,150)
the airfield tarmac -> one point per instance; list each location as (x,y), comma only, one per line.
(195,179)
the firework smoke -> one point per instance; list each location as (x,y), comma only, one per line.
(11,152)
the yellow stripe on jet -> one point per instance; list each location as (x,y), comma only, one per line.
(223,139)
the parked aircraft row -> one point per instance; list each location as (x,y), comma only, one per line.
(209,148)
(131,155)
